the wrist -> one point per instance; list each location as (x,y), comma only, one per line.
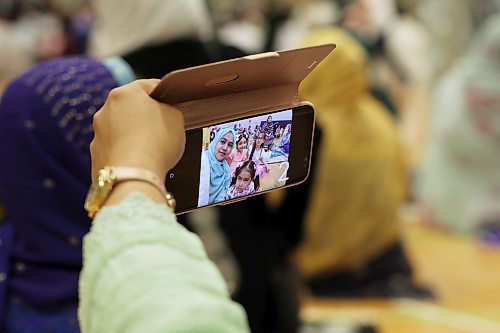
(142,162)
(123,189)
(115,183)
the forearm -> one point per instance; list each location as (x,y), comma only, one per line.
(143,272)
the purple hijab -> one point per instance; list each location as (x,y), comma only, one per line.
(45,132)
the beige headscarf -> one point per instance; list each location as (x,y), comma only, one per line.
(126,25)
(361,176)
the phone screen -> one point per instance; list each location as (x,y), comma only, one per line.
(247,156)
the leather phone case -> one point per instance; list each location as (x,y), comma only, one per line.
(241,87)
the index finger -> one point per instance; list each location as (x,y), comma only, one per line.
(147,85)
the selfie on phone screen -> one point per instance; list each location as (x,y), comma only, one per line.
(233,160)
(244,157)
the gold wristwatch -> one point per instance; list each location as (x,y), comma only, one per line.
(109,176)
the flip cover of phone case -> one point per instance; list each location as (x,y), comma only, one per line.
(239,87)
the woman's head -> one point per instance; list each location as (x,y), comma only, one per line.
(244,176)
(341,77)
(241,142)
(220,174)
(224,146)
(223,143)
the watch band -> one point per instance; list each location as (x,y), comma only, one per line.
(130,173)
(133,173)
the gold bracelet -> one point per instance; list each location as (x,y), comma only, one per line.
(109,176)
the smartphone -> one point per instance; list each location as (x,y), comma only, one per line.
(230,161)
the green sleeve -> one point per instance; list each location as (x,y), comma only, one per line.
(144,272)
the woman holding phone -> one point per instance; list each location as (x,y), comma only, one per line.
(215,174)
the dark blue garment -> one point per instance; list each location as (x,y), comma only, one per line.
(45,132)
(5,246)
(22,318)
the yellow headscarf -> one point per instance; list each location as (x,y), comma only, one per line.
(361,175)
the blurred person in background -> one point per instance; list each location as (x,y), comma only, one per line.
(364,19)
(32,31)
(410,46)
(155,37)
(407,45)
(29,33)
(451,33)
(76,18)
(397,44)
(459,184)
(246,30)
(350,243)
(45,129)
(303,16)
(448,38)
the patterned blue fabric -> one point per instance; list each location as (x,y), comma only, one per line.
(45,131)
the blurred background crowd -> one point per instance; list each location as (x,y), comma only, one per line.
(408,128)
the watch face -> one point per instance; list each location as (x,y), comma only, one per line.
(90,201)
(99,191)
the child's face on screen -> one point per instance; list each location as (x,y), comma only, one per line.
(224,147)
(260,140)
(243,180)
(242,144)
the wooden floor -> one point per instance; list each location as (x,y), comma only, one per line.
(276,175)
(464,275)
